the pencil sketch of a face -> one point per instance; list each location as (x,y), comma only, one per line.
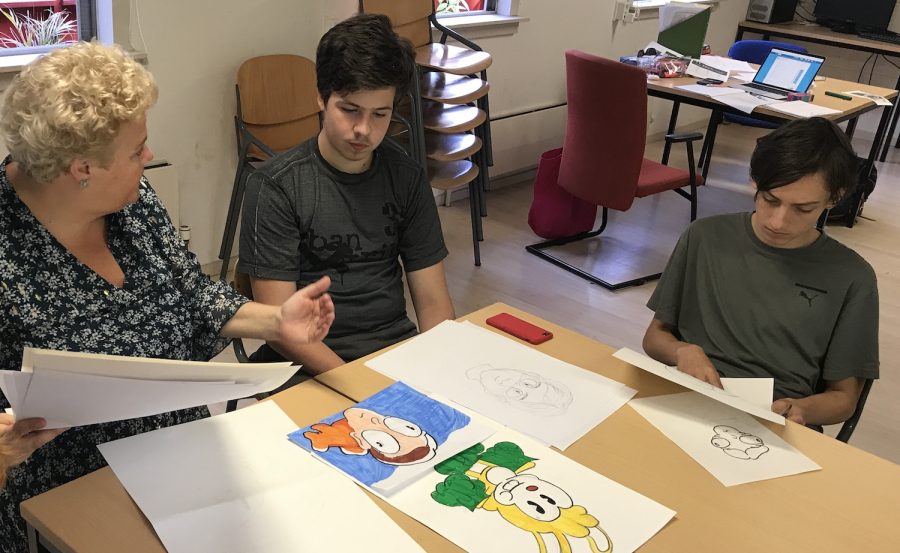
(524,390)
(737,443)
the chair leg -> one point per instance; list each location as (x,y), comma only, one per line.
(539,250)
(706,160)
(475,216)
(231,220)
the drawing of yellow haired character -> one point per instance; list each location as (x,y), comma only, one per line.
(523,499)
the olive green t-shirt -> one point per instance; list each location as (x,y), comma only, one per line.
(798,315)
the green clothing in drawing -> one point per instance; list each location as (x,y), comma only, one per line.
(798,315)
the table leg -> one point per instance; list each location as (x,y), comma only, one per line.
(851,127)
(34,541)
(710,141)
(873,153)
(895,114)
(673,119)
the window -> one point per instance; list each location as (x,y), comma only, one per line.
(447,8)
(33,26)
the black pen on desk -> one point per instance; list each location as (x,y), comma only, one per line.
(838,95)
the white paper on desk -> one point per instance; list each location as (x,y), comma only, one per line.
(731,445)
(266,375)
(234,484)
(711,91)
(758,391)
(727,64)
(702,71)
(744,76)
(66,399)
(662,49)
(593,504)
(879,100)
(744,101)
(801,109)
(674,375)
(513,384)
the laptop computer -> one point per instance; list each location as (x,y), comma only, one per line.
(783,72)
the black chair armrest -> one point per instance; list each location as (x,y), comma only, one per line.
(675,138)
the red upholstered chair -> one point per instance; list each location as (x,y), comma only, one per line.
(603,152)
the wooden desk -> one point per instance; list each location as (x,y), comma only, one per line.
(823,35)
(849,110)
(850,505)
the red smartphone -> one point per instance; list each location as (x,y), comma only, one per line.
(519,328)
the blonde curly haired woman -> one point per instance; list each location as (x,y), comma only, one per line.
(90,261)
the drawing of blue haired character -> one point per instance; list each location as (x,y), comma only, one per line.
(525,390)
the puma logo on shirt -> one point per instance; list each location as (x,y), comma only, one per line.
(809,293)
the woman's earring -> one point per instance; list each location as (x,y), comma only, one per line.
(83,183)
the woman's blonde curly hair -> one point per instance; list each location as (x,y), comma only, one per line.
(70,104)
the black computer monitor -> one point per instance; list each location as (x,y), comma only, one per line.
(854,15)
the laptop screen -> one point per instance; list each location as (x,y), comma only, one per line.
(788,70)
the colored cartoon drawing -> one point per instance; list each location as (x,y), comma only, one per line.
(524,390)
(499,479)
(391,440)
(738,444)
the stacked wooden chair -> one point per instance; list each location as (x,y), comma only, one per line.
(448,111)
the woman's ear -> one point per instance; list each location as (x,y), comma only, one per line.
(80,169)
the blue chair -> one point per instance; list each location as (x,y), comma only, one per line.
(751,51)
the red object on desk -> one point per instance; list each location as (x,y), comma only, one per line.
(520,329)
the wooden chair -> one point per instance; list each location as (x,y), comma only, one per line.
(449,111)
(277,109)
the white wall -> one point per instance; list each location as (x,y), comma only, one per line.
(194,49)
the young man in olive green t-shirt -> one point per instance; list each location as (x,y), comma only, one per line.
(767,294)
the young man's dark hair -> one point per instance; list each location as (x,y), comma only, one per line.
(363,53)
(805,147)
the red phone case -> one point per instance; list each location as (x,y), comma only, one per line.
(519,328)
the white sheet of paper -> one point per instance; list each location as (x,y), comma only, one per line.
(732,446)
(758,391)
(801,109)
(703,71)
(234,484)
(744,76)
(674,375)
(711,91)
(513,384)
(727,64)
(744,101)
(66,399)
(673,14)
(662,49)
(629,519)
(879,100)
(272,375)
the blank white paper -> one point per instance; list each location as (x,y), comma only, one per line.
(674,375)
(235,484)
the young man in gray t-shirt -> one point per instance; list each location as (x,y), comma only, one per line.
(767,294)
(344,205)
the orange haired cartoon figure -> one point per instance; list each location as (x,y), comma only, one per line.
(390,440)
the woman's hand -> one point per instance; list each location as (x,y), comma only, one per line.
(18,440)
(307,315)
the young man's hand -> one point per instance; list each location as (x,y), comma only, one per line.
(790,409)
(692,360)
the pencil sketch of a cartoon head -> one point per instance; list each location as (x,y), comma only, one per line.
(525,390)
